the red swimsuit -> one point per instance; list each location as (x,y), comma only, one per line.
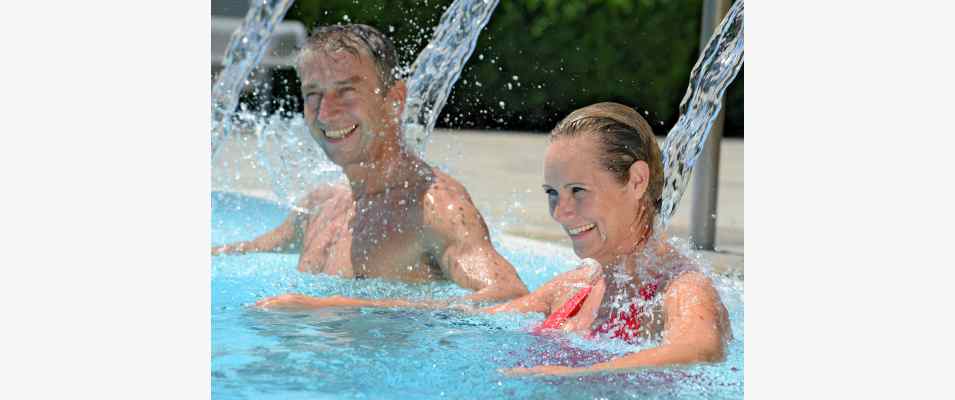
(627,330)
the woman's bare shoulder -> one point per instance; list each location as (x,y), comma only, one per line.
(575,278)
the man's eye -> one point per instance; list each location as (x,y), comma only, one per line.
(578,190)
(551,192)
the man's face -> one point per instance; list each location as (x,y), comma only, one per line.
(348,113)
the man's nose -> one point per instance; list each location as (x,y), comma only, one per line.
(328,108)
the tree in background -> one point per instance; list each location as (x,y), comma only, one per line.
(537,60)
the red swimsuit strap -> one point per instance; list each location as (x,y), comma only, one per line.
(569,309)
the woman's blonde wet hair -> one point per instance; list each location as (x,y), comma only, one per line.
(624,138)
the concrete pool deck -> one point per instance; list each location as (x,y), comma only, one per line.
(503,172)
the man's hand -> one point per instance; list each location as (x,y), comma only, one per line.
(294,301)
(543,370)
(226,249)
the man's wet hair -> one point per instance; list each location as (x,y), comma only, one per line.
(356,39)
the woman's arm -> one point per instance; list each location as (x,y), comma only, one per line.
(694,331)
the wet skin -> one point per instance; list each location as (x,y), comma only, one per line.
(396,234)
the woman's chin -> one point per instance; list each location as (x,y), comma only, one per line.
(583,252)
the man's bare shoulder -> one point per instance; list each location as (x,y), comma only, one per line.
(446,200)
(325,193)
(445,185)
(444,190)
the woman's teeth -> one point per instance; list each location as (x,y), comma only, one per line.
(578,230)
(339,133)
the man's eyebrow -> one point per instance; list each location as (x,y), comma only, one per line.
(350,81)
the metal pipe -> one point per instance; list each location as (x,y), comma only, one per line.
(706,172)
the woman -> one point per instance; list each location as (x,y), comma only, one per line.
(603,179)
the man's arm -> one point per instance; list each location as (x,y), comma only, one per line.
(287,237)
(540,300)
(463,248)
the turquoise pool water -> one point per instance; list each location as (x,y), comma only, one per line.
(412,354)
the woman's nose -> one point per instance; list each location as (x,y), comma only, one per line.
(564,209)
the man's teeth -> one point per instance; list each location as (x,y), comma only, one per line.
(580,229)
(339,133)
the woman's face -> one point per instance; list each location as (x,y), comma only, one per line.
(598,213)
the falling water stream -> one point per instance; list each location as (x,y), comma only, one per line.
(246,47)
(439,65)
(716,68)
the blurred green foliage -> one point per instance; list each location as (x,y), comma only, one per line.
(537,60)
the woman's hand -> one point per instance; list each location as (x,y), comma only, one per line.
(294,301)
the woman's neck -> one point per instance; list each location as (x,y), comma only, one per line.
(625,259)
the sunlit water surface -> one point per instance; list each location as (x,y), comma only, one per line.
(402,354)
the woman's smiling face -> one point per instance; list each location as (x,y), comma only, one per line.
(599,213)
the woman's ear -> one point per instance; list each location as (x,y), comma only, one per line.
(639,178)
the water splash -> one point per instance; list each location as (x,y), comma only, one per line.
(439,66)
(293,160)
(716,68)
(246,47)
(289,155)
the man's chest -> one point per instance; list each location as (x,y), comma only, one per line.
(361,241)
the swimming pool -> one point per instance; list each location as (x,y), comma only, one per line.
(420,354)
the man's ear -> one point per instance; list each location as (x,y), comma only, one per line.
(397,95)
(639,178)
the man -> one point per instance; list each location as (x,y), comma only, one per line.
(400,218)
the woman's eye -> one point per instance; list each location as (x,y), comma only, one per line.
(551,192)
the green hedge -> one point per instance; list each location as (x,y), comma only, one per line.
(564,54)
